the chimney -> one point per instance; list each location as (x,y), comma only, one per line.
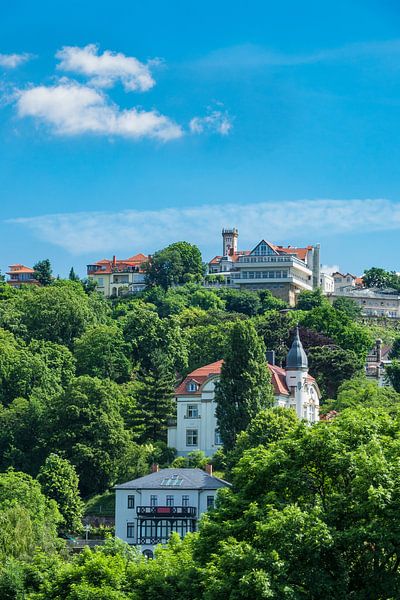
(114,261)
(209,469)
(270,356)
(155,468)
(378,351)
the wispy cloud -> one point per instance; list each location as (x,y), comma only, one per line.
(216,121)
(104,70)
(72,109)
(11,61)
(251,56)
(100,232)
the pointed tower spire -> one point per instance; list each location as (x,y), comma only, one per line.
(297,358)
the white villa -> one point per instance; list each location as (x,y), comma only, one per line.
(196,425)
(150,508)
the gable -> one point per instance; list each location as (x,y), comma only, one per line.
(263,248)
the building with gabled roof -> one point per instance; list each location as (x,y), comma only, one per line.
(284,270)
(116,277)
(196,425)
(21,275)
(148,509)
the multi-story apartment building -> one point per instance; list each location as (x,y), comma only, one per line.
(285,271)
(345,281)
(150,508)
(21,275)
(196,425)
(374,302)
(117,277)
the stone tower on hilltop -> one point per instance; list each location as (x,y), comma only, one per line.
(229,241)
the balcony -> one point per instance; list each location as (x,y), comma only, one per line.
(166,511)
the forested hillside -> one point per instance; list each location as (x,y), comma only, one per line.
(86,392)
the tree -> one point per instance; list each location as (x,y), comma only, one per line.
(348,306)
(176,264)
(331,367)
(86,426)
(313,515)
(206,344)
(308,300)
(59,481)
(361,393)
(102,352)
(43,272)
(57,313)
(337,325)
(245,302)
(245,384)
(270,302)
(155,397)
(376,277)
(72,275)
(145,333)
(28,520)
(392,371)
(274,328)
(395,349)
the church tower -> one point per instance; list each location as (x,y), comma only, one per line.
(296,375)
(229,241)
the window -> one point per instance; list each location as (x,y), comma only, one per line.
(170,500)
(153,501)
(217,438)
(192,411)
(191,386)
(130,530)
(191,437)
(185,500)
(131,501)
(210,501)
(100,281)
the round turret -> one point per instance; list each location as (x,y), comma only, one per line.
(297,358)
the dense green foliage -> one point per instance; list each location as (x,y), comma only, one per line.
(245,384)
(86,389)
(178,263)
(59,481)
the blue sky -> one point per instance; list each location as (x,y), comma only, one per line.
(126,126)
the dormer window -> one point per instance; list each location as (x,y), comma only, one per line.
(192,386)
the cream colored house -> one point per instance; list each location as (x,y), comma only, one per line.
(117,277)
(196,426)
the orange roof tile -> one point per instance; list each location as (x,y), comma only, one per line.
(200,376)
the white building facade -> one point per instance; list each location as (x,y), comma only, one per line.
(196,426)
(373,302)
(150,508)
(285,271)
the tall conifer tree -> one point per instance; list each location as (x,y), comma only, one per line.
(155,398)
(245,384)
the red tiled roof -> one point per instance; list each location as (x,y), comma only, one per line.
(119,265)
(17,268)
(301,253)
(200,376)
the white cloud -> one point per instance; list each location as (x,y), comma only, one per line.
(11,61)
(104,70)
(329,269)
(216,121)
(73,109)
(252,56)
(294,222)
